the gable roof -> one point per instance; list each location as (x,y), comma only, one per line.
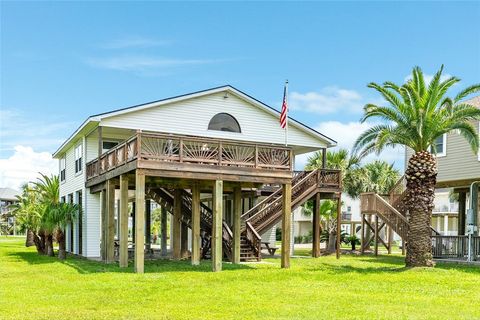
(93,120)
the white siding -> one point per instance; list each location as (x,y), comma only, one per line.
(91,203)
(191,117)
(91,231)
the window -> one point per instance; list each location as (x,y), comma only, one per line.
(62,199)
(441,146)
(224,122)
(78,158)
(107,145)
(62,169)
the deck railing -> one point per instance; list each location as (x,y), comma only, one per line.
(450,247)
(193,150)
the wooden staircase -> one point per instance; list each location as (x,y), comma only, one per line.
(165,198)
(389,208)
(268,212)
(259,218)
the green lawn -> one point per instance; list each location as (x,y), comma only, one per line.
(361,287)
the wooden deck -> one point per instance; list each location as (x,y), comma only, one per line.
(173,156)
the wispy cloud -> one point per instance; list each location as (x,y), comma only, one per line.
(143,62)
(327,100)
(16,128)
(134,42)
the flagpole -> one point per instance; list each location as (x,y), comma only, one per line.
(286,116)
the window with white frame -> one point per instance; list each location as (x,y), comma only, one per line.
(78,158)
(441,146)
(62,168)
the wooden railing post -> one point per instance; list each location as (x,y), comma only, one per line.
(180,150)
(139,144)
(256,156)
(220,146)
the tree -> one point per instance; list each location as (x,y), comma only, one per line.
(328,215)
(29,216)
(40,212)
(415,115)
(58,216)
(48,189)
(381,177)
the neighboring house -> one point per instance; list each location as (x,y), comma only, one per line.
(458,167)
(445,213)
(8,197)
(178,136)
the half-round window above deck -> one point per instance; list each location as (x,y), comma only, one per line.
(224,122)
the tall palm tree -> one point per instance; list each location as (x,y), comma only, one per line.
(415,115)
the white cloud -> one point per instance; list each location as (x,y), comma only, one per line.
(327,100)
(346,134)
(429,77)
(24,166)
(142,62)
(134,42)
(17,128)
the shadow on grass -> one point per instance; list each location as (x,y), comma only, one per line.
(85,266)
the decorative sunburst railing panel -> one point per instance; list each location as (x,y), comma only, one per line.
(203,152)
(155,148)
(238,155)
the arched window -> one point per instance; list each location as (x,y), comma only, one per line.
(224,122)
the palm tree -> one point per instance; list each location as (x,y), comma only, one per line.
(58,216)
(416,114)
(29,216)
(381,177)
(48,189)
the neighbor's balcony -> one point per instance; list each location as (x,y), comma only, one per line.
(177,153)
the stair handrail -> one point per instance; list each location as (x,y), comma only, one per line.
(389,206)
(259,206)
(253,237)
(308,175)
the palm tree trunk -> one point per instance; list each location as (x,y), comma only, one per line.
(29,239)
(331,242)
(62,253)
(421,175)
(37,240)
(49,245)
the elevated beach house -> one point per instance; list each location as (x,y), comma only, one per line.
(216,160)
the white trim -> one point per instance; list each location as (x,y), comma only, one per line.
(444,152)
(479,138)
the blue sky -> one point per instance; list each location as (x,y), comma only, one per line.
(61,62)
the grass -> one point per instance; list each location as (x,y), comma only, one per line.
(361,287)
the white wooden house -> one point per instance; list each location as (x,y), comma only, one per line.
(217,141)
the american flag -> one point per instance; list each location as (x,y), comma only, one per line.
(284,113)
